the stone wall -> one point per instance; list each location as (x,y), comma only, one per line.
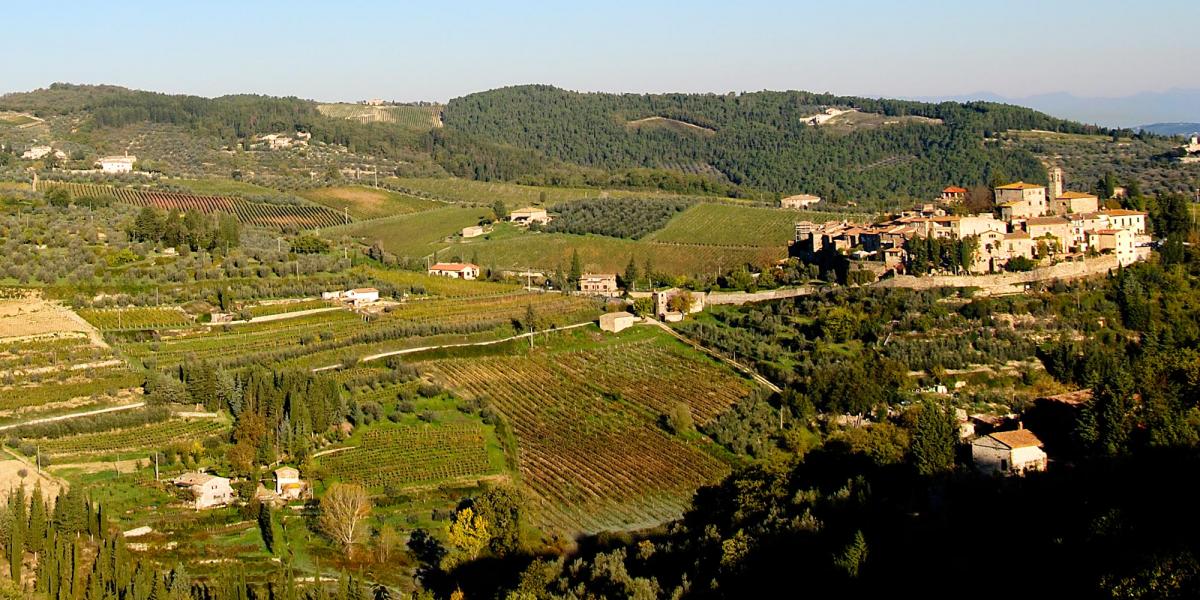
(1007,282)
(745,297)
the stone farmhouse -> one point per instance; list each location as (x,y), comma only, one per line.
(355,297)
(954,194)
(455,270)
(207,491)
(800,201)
(39,152)
(525,216)
(288,484)
(1008,453)
(599,284)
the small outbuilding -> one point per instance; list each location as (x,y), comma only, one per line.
(288,484)
(617,321)
(1008,453)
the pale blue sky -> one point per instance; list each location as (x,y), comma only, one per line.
(438,50)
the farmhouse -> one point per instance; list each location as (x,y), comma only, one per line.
(1008,453)
(36,152)
(456,270)
(954,194)
(117,164)
(1040,228)
(799,201)
(601,284)
(525,216)
(288,484)
(616,322)
(356,297)
(472,231)
(677,300)
(1021,200)
(206,490)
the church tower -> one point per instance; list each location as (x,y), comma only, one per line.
(1056,184)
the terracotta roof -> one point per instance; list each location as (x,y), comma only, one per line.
(1072,398)
(364,290)
(190,479)
(954,190)
(1106,231)
(452,267)
(1016,235)
(1020,185)
(1046,221)
(1076,195)
(1121,212)
(1020,438)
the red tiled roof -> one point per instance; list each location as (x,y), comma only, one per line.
(453,267)
(1020,438)
(954,190)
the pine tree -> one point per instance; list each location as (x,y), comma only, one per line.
(576,269)
(16,533)
(36,539)
(933,440)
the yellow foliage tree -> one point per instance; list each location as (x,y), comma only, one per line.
(466,535)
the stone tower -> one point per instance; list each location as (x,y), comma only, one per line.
(1056,184)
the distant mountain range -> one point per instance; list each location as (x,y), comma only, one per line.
(1169,107)
(1171,128)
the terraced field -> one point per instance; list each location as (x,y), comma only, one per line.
(590,453)
(323,338)
(53,374)
(365,203)
(147,437)
(729,225)
(398,456)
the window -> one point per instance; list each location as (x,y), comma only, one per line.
(1004,464)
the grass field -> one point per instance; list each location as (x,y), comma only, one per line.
(728,225)
(446,287)
(223,187)
(417,235)
(513,195)
(549,251)
(591,454)
(417,118)
(368,203)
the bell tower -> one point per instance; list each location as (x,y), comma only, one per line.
(1056,184)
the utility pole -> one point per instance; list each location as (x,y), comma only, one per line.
(156,465)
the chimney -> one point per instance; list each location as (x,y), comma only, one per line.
(1020,425)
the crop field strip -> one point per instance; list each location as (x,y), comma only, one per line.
(133,319)
(144,437)
(261,214)
(446,287)
(45,393)
(595,462)
(469,191)
(405,455)
(727,225)
(280,308)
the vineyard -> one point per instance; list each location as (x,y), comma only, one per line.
(279,308)
(261,214)
(417,118)
(397,456)
(591,455)
(323,336)
(147,437)
(513,195)
(729,225)
(416,235)
(133,319)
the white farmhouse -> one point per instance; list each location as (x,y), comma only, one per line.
(455,270)
(117,164)
(206,490)
(527,215)
(1008,453)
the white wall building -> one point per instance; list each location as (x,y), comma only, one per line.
(117,164)
(456,270)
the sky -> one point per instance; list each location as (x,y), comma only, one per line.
(408,51)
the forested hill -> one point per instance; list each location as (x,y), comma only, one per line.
(757,140)
(230,118)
